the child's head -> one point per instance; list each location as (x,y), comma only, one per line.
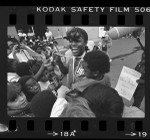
(29,86)
(45,76)
(15,97)
(95,63)
(104,101)
(77,38)
(12,64)
(42,103)
(47,51)
(23,69)
(78,107)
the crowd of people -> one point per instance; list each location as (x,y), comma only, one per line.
(38,88)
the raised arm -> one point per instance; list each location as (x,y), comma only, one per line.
(14,51)
(62,68)
(45,64)
(32,52)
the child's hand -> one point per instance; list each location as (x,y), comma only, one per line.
(46,63)
(62,91)
(15,48)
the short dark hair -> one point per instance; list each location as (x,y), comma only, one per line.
(10,65)
(97,61)
(75,34)
(42,103)
(23,69)
(104,101)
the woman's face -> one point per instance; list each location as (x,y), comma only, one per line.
(33,86)
(77,47)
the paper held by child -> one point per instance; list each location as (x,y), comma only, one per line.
(127,84)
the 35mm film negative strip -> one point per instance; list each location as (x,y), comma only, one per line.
(48,93)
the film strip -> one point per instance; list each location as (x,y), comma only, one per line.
(103,127)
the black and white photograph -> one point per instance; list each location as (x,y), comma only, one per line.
(76,71)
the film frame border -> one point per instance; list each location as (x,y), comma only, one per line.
(126,122)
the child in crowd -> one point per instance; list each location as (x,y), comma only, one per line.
(44,80)
(105,101)
(17,105)
(95,64)
(42,103)
(29,84)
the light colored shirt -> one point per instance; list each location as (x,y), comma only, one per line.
(12,77)
(30,34)
(44,85)
(48,34)
(75,73)
(22,55)
(58,107)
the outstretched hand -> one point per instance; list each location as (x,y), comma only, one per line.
(15,48)
(47,63)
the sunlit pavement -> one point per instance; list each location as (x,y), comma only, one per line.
(124,52)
